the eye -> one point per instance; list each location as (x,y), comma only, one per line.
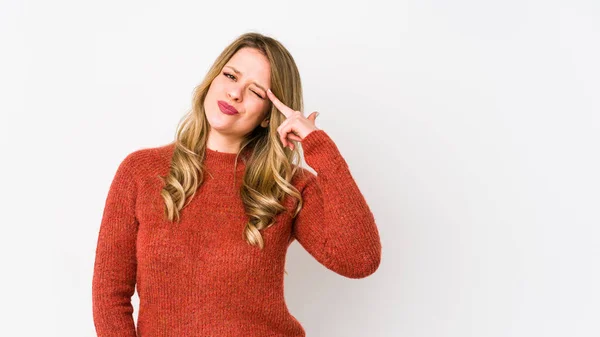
(259,96)
(233,78)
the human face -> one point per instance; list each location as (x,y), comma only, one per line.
(241,85)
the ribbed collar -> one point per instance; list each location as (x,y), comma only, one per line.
(224,161)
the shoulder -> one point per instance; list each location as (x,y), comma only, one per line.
(148,160)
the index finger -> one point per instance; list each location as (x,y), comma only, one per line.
(285,110)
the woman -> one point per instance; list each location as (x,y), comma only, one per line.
(202,225)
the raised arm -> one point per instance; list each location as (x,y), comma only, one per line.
(335,224)
(115,264)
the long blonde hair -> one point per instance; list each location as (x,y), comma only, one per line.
(269,166)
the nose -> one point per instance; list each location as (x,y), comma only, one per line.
(235,92)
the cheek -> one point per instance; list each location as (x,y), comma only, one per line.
(261,110)
(219,83)
(257,108)
(214,86)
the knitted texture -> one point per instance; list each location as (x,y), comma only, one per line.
(199,277)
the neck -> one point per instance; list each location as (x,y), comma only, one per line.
(219,142)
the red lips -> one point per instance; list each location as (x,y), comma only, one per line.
(226,108)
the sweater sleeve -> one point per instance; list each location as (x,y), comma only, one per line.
(114,276)
(335,224)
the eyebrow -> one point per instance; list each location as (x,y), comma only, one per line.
(240,73)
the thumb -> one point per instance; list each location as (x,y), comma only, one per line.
(313,115)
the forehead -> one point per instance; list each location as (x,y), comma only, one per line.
(252,64)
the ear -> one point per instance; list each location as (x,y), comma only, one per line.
(265,123)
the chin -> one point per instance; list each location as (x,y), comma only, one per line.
(216,122)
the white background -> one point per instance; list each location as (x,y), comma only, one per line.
(471,127)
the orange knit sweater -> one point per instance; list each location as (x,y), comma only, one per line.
(199,277)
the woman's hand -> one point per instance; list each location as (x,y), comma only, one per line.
(296,126)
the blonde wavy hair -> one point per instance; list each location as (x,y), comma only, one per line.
(269,166)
